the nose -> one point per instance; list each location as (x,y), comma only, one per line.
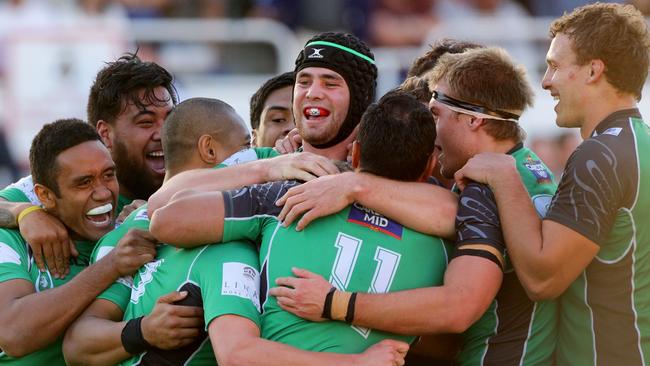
(546,80)
(156,135)
(101,193)
(315,91)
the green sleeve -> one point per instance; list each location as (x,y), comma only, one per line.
(13,194)
(266,152)
(14,257)
(228,275)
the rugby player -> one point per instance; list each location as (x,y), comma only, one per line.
(218,283)
(127,105)
(481,295)
(359,248)
(74,178)
(270,109)
(591,248)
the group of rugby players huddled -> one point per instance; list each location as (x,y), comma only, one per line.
(154,234)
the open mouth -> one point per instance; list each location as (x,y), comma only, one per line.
(156,160)
(313,113)
(101,215)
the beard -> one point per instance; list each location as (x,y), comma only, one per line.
(133,174)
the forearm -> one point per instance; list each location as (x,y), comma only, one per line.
(420,206)
(9,212)
(94,341)
(38,319)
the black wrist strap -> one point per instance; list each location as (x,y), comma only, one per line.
(132,339)
(349,316)
(327,307)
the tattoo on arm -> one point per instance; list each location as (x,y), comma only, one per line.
(7,219)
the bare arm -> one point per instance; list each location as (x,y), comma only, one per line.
(236,341)
(419,206)
(9,212)
(303,166)
(193,219)
(547,256)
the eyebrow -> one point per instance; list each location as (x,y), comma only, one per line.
(277,108)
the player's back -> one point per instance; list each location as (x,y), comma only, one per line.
(357,250)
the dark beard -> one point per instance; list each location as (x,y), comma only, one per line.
(136,178)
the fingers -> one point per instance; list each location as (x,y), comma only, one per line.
(190,312)
(287,303)
(48,254)
(307,218)
(73,248)
(281,292)
(287,281)
(303,273)
(172,297)
(57,251)
(294,212)
(37,250)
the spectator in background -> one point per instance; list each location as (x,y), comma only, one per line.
(270,108)
(387,20)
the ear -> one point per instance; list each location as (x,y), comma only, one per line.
(46,196)
(474,123)
(254,139)
(208,150)
(596,70)
(428,169)
(105,132)
(356,154)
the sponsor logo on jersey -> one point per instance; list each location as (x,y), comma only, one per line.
(614,131)
(374,221)
(8,254)
(240,157)
(43,281)
(316,53)
(542,202)
(141,216)
(146,275)
(242,280)
(538,169)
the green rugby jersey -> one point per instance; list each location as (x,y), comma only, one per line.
(356,249)
(514,330)
(605,312)
(246,155)
(17,262)
(23,191)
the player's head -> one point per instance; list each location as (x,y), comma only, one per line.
(270,107)
(426,62)
(201,133)
(127,104)
(74,177)
(594,42)
(478,91)
(335,82)
(396,138)
(417,87)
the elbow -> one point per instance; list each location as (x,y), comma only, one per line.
(460,320)
(14,344)
(541,290)
(73,352)
(161,226)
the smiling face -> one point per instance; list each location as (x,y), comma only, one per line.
(276,119)
(88,190)
(321,99)
(565,80)
(136,146)
(453,138)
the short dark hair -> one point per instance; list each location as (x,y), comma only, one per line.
(417,87)
(52,140)
(617,34)
(397,136)
(191,119)
(271,85)
(428,61)
(120,83)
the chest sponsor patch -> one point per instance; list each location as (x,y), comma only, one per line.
(374,221)
(614,131)
(8,254)
(538,169)
(242,280)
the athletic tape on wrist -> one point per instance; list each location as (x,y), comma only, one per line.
(340,302)
(327,306)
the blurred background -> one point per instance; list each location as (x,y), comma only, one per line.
(50,51)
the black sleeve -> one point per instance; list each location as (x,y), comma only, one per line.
(477,222)
(598,180)
(258,199)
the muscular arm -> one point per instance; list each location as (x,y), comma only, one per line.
(9,212)
(95,338)
(236,341)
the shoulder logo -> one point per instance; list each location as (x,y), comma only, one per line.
(614,131)
(538,169)
(240,157)
(316,53)
(374,221)
(542,202)
(8,254)
(241,280)
(141,216)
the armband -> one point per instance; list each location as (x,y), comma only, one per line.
(132,339)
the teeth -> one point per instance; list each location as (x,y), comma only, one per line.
(100,210)
(156,154)
(316,112)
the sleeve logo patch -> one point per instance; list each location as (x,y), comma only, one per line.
(614,131)
(542,202)
(374,221)
(240,157)
(8,254)
(539,170)
(141,216)
(242,280)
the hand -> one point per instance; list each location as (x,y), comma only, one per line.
(48,238)
(484,168)
(126,210)
(303,295)
(135,249)
(300,166)
(321,197)
(290,143)
(388,352)
(172,326)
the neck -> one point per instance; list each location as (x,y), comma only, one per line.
(489,144)
(336,152)
(602,107)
